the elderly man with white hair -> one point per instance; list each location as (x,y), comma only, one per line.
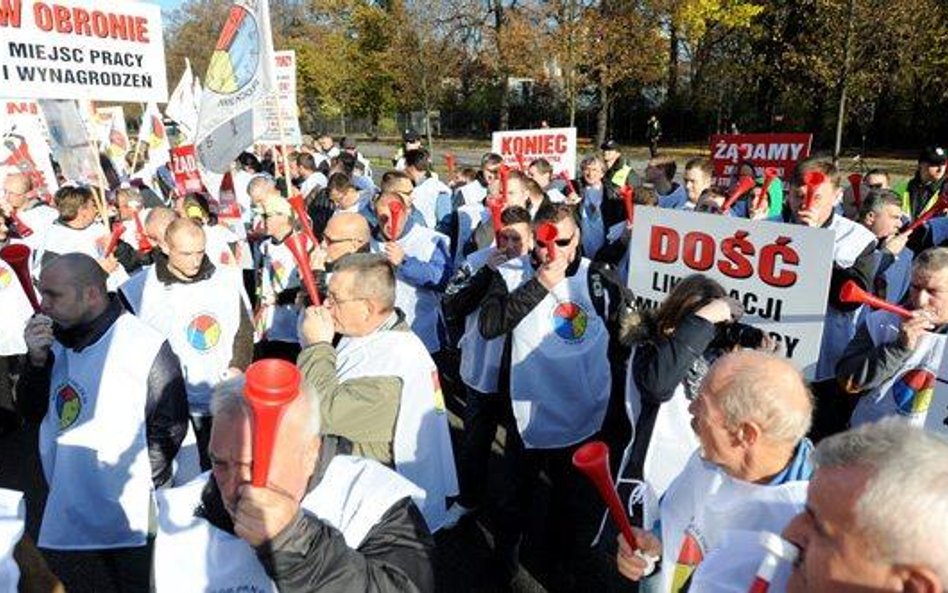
(876,515)
(324,521)
(750,474)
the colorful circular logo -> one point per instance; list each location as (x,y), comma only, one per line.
(236,56)
(689,557)
(569,321)
(204,332)
(6,276)
(913,392)
(68,406)
(280,272)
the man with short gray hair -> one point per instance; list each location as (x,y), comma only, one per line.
(379,387)
(876,516)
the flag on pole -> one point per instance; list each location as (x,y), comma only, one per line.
(183,105)
(239,76)
(70,142)
(152,132)
(111,134)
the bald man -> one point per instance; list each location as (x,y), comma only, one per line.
(750,473)
(198,308)
(31,216)
(110,396)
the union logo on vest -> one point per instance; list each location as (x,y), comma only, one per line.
(569,321)
(68,405)
(689,557)
(204,332)
(914,391)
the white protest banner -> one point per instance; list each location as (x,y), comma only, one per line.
(112,134)
(239,76)
(70,142)
(267,116)
(82,49)
(153,133)
(779,272)
(557,145)
(24,147)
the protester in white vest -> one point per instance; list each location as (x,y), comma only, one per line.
(557,364)
(197,307)
(468,203)
(895,365)
(422,268)
(324,521)
(876,514)
(750,474)
(313,178)
(541,171)
(111,400)
(345,233)
(431,196)
(481,359)
(22,205)
(378,386)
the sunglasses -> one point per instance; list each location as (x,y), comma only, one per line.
(564,242)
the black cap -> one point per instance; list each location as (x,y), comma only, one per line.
(609,145)
(348,143)
(933,155)
(410,135)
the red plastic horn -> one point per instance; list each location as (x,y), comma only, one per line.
(812,180)
(496,206)
(570,188)
(297,247)
(22,229)
(547,234)
(449,162)
(17,256)
(628,200)
(855,183)
(937,208)
(296,203)
(144,245)
(270,385)
(744,185)
(395,209)
(593,460)
(504,176)
(770,174)
(117,229)
(850,292)
(521,162)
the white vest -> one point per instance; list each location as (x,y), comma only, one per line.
(839,327)
(732,565)
(191,555)
(16,311)
(218,250)
(421,306)
(469,217)
(12,515)
(91,241)
(915,392)
(559,372)
(481,358)
(40,219)
(92,441)
(704,503)
(425,199)
(199,320)
(422,445)
(278,272)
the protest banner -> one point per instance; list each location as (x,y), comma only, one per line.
(557,145)
(111,133)
(184,167)
(239,76)
(81,49)
(184,102)
(269,117)
(24,147)
(781,151)
(780,273)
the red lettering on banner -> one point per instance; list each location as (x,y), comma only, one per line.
(14,108)
(10,13)
(86,23)
(537,144)
(560,143)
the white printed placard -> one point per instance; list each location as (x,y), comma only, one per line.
(556,145)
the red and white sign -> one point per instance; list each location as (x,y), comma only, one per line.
(779,272)
(24,147)
(781,151)
(184,165)
(557,145)
(279,108)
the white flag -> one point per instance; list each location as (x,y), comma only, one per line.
(152,132)
(239,76)
(183,105)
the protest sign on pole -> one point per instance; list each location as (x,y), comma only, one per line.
(780,273)
(183,104)
(557,145)
(239,76)
(781,151)
(111,134)
(82,49)
(268,115)
(184,166)
(24,147)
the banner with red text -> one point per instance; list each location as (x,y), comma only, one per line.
(779,272)
(184,166)
(82,49)
(782,151)
(23,145)
(269,115)
(557,145)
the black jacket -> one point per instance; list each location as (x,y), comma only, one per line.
(397,555)
(166,406)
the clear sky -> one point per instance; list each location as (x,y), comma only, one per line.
(168,4)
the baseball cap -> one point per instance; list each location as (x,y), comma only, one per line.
(348,143)
(609,145)
(410,135)
(933,155)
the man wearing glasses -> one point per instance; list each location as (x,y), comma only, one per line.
(345,233)
(31,217)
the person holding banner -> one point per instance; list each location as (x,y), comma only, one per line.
(110,398)
(893,363)
(31,217)
(750,472)
(323,521)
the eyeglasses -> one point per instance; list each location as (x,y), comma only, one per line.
(332,299)
(564,242)
(327,240)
